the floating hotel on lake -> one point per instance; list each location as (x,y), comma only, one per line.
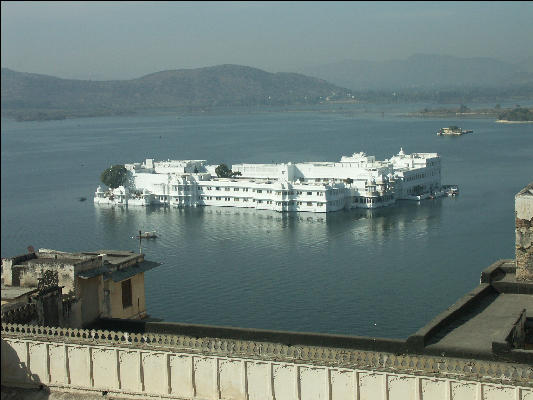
(357,181)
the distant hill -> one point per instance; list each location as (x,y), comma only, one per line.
(424,71)
(224,85)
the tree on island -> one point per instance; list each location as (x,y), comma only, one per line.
(223,171)
(114,176)
(517,114)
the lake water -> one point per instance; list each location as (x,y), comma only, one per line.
(383,273)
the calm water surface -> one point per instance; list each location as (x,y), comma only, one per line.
(384,272)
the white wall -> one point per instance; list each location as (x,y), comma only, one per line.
(164,184)
(201,370)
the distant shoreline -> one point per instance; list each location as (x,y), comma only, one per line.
(504,121)
(326,107)
(450,115)
(518,115)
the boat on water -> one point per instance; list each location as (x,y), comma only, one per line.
(451,190)
(147,235)
(453,131)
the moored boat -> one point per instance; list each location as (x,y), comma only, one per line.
(147,235)
(451,190)
(453,131)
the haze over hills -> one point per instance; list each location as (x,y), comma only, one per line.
(420,78)
(424,71)
(223,85)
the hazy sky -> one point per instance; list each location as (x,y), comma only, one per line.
(109,40)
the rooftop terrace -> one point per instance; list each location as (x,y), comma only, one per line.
(486,322)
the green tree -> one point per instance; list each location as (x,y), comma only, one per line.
(114,176)
(463,109)
(517,114)
(223,171)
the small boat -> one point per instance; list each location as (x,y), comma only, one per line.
(147,235)
(453,131)
(451,190)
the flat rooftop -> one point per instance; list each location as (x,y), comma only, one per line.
(14,292)
(53,257)
(51,260)
(114,256)
(488,321)
(477,323)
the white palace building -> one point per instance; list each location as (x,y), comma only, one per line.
(356,181)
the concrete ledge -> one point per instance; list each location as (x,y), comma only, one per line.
(504,342)
(489,273)
(504,346)
(497,271)
(396,346)
(521,287)
(519,355)
(417,341)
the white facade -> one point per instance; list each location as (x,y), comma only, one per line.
(357,181)
(119,364)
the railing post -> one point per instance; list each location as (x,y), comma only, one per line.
(66,364)
(117,360)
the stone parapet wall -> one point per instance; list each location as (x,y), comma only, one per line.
(7,266)
(174,366)
(524,249)
(87,264)
(524,233)
(28,275)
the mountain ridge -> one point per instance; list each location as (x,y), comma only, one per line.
(423,71)
(223,85)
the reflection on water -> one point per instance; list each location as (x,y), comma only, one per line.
(245,267)
(214,223)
